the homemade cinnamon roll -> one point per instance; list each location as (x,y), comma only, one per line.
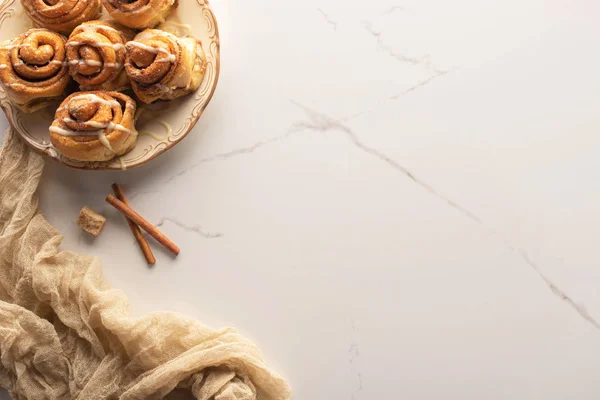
(61,15)
(94,126)
(139,14)
(162,66)
(33,69)
(96,55)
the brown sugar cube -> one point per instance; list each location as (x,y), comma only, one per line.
(90,221)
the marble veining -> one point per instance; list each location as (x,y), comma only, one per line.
(197,229)
(328,19)
(578,307)
(353,356)
(424,60)
(438,74)
(232,153)
(392,9)
(323,123)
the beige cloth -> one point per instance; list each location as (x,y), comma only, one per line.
(66,334)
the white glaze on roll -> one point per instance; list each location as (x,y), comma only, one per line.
(116,46)
(171,57)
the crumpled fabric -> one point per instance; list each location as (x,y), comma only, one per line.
(66,334)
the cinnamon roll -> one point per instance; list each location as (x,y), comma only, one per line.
(139,14)
(33,69)
(162,66)
(61,15)
(94,126)
(96,55)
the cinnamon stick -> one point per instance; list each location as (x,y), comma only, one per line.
(137,232)
(145,225)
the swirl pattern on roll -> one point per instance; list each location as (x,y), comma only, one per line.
(61,15)
(94,126)
(139,14)
(96,55)
(33,68)
(162,66)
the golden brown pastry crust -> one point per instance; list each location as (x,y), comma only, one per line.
(96,55)
(94,126)
(61,15)
(139,14)
(162,66)
(33,68)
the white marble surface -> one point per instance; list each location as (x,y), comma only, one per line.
(395,200)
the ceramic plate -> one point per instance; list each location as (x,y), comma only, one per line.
(165,123)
